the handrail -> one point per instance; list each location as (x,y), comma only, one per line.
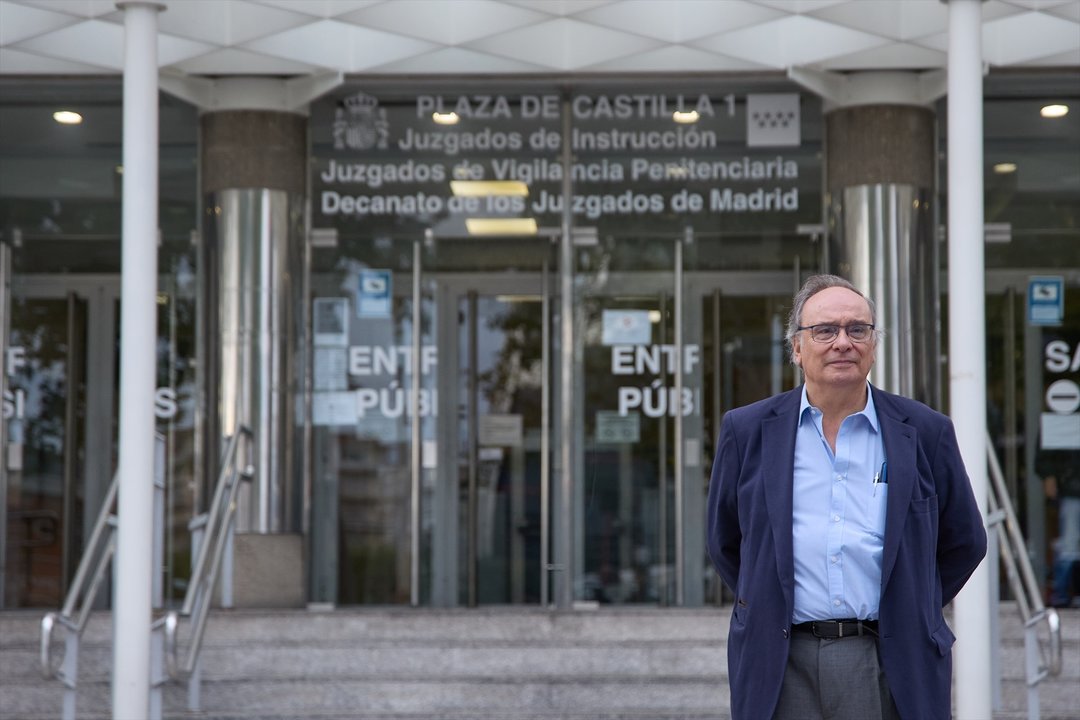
(1020,573)
(200,590)
(94,563)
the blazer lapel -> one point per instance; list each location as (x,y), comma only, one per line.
(899,439)
(777,470)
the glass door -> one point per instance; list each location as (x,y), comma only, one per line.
(666,346)
(641,410)
(494,397)
(60,360)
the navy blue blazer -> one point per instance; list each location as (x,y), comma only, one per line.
(934,539)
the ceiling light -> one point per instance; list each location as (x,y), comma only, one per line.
(685,117)
(501,226)
(445,118)
(655,316)
(1005,168)
(1054,111)
(67,117)
(483,188)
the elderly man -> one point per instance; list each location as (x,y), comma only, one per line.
(843,520)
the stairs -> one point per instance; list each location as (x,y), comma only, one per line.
(487,664)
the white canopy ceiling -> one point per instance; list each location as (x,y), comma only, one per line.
(459,37)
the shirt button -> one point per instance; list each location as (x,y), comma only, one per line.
(836,602)
(835,558)
(836,518)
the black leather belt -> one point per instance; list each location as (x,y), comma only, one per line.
(834,629)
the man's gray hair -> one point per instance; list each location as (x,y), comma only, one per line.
(813,285)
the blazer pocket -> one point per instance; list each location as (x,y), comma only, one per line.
(924,505)
(943,637)
(739,611)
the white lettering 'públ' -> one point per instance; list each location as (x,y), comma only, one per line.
(655,400)
(14,404)
(394,402)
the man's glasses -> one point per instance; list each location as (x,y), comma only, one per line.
(856,332)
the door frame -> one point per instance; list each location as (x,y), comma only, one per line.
(101,294)
(450,290)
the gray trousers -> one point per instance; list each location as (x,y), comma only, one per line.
(834,680)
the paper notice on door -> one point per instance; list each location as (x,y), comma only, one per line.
(330,321)
(501,430)
(1059,432)
(333,408)
(626,327)
(330,368)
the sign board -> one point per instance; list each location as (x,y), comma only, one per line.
(1046,300)
(626,327)
(1059,432)
(773,120)
(1063,397)
(501,430)
(329,321)
(611,427)
(373,296)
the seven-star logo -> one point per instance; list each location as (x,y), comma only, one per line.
(772,120)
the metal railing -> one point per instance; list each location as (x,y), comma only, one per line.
(93,569)
(1039,662)
(75,613)
(217,527)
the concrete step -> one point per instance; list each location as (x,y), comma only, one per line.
(397,664)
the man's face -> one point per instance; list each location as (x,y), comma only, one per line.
(840,363)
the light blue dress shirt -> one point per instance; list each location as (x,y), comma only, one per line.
(838,514)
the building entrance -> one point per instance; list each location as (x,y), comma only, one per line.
(59,401)
(495,373)
(467,505)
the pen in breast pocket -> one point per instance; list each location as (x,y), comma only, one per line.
(879,477)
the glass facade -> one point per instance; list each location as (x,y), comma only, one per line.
(60,188)
(460,366)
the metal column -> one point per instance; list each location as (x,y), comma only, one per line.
(564,548)
(680,443)
(5,333)
(967,335)
(138,361)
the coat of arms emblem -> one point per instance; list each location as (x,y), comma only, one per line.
(360,124)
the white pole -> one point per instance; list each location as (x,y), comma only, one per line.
(967,336)
(138,331)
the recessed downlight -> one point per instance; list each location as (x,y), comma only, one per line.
(685,117)
(445,118)
(1004,168)
(501,226)
(67,117)
(1054,111)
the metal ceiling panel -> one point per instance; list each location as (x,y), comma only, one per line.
(19,22)
(790,41)
(446,23)
(679,21)
(564,44)
(306,37)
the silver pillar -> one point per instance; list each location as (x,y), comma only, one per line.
(883,241)
(254,257)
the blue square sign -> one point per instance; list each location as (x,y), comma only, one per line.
(373,296)
(1046,300)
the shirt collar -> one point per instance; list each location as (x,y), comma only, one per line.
(869,411)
